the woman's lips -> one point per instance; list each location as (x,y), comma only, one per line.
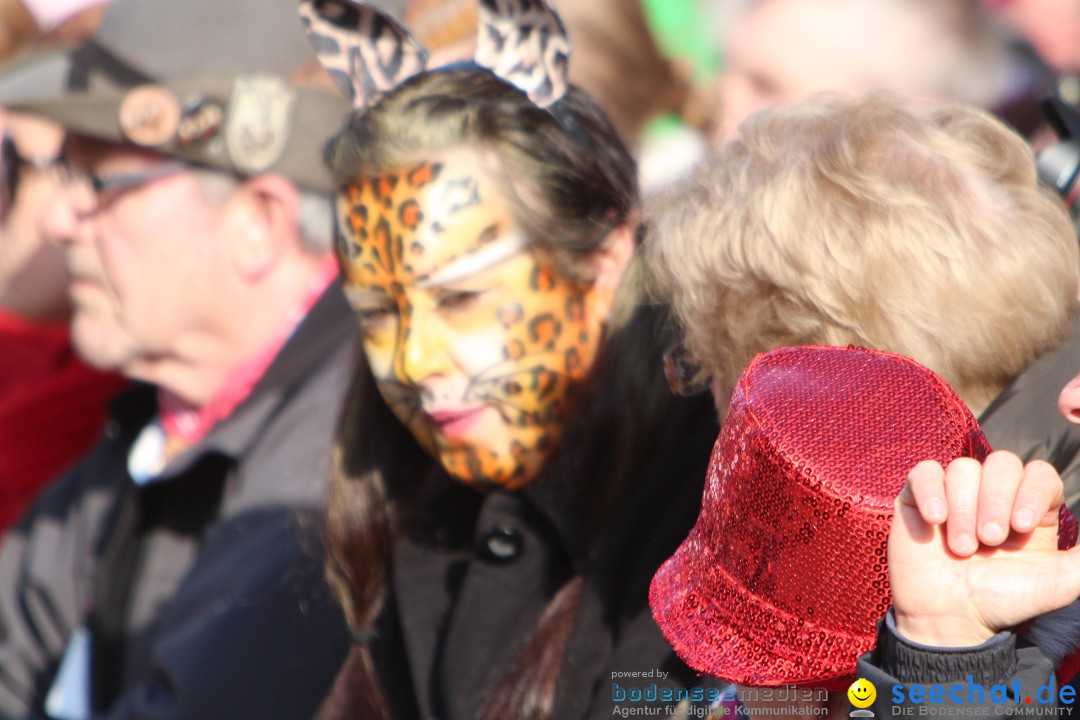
(454,423)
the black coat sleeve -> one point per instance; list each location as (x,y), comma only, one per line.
(1003,677)
(252,632)
(42,593)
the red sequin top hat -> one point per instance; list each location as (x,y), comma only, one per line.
(783,578)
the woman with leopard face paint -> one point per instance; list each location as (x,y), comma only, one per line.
(474,336)
(511,467)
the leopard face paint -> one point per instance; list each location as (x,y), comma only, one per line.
(474,338)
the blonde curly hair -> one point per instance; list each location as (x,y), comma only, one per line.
(867,221)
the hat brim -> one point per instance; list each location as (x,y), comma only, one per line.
(721,628)
(92,115)
(38,87)
(34,76)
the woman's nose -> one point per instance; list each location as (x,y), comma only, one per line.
(420,353)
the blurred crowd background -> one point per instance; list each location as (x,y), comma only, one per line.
(678,76)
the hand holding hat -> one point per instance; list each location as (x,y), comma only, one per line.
(789,567)
(975,549)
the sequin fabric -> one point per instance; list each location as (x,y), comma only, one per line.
(784,576)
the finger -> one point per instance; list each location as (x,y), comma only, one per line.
(1002,473)
(1040,495)
(962,495)
(925,490)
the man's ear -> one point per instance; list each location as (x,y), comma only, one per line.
(610,262)
(262,220)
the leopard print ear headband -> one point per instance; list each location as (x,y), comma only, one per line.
(367,52)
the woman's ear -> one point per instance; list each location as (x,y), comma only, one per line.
(262,222)
(610,262)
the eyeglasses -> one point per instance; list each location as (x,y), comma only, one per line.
(89,191)
(11,165)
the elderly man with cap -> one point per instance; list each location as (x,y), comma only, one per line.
(176,572)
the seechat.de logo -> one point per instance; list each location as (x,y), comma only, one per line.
(946,699)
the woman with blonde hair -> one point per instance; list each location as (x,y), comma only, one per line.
(861,221)
(864,221)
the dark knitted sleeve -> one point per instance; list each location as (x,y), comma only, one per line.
(1002,677)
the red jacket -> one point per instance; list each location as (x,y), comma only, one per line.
(51,409)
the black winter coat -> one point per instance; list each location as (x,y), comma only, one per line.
(466,597)
(1025,418)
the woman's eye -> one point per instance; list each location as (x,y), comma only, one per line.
(458,299)
(374,318)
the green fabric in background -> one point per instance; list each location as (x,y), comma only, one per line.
(681,32)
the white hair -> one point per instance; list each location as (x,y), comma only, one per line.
(316,221)
(315,218)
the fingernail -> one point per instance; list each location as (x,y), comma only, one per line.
(935,510)
(992,532)
(965,544)
(1024,517)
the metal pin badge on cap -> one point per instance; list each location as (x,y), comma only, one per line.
(257,128)
(149,115)
(201,120)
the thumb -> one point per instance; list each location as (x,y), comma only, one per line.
(1066,586)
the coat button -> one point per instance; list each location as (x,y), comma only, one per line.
(112,429)
(502,543)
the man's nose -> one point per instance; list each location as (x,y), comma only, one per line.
(60,222)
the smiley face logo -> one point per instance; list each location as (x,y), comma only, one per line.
(862,693)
